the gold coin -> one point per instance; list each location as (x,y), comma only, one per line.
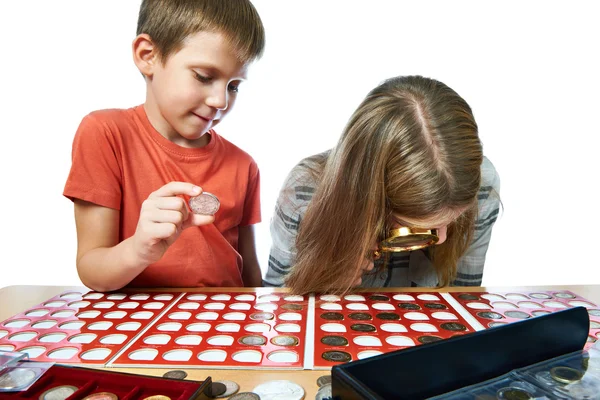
(58,392)
(101,396)
(157,397)
(565,374)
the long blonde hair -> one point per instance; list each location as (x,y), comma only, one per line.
(411,148)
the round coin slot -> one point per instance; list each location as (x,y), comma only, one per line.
(17,323)
(198,327)
(100,326)
(157,339)
(180,315)
(196,297)
(60,303)
(268,297)
(245,297)
(354,297)
(54,337)
(416,316)
(207,316)
(403,297)
(163,297)
(330,297)
(85,338)
(492,297)
(399,341)
(529,304)
(290,316)
(36,313)
(213,356)
(155,305)
(266,306)
(92,296)
(294,298)
(189,340)
(169,327)
(369,341)
(78,304)
(257,327)
(516,296)
(287,328)
(220,340)
(333,327)
(104,304)
(140,296)
(220,297)
(444,315)
(75,295)
(383,306)
(129,326)
(423,327)
(228,327)
(214,306)
(247,356)
(190,305)
(63,313)
(33,351)
(44,324)
(428,297)
(95,354)
(478,306)
(234,316)
(368,353)
(142,315)
(116,296)
(73,325)
(3,333)
(240,306)
(503,305)
(114,339)
(22,336)
(330,306)
(579,303)
(554,304)
(63,353)
(392,327)
(283,356)
(178,355)
(357,306)
(143,355)
(115,314)
(129,305)
(6,347)
(88,314)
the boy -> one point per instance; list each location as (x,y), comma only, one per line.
(134,170)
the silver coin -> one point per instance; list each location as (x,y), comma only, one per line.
(17,378)
(517,314)
(262,316)
(253,340)
(489,315)
(279,390)
(58,393)
(564,295)
(175,374)
(324,380)
(205,204)
(230,388)
(324,392)
(540,296)
(283,340)
(245,396)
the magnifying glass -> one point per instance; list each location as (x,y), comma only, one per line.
(404,238)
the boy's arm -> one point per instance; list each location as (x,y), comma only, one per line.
(251,273)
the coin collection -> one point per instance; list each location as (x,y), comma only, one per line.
(258,328)
(571,376)
(499,308)
(76,383)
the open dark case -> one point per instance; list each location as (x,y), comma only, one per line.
(537,358)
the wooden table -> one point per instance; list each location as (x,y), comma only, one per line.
(15,299)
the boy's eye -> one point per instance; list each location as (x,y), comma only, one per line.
(202,78)
(234,87)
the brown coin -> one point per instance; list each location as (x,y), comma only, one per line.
(428,339)
(292,306)
(453,326)
(58,393)
(230,388)
(379,297)
(216,389)
(175,374)
(409,306)
(513,394)
(360,316)
(363,328)
(283,340)
(323,380)
(332,316)
(517,314)
(262,316)
(253,340)
(467,296)
(336,356)
(435,306)
(245,396)
(489,315)
(101,396)
(388,316)
(205,204)
(334,340)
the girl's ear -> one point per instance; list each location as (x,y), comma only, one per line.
(145,54)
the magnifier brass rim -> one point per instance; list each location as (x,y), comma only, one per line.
(428,235)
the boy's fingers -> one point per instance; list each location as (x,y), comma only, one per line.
(198,220)
(177,188)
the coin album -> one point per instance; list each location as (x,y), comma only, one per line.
(77,383)
(263,327)
(537,358)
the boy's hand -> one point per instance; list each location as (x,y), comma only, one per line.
(163,217)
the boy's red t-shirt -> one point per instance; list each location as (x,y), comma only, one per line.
(119,159)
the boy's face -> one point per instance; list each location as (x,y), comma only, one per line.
(194,89)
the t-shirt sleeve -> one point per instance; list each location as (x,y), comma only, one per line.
(95,174)
(252,213)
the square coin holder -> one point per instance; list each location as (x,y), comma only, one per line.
(14,377)
(492,309)
(81,382)
(487,357)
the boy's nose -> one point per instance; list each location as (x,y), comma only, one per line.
(219,98)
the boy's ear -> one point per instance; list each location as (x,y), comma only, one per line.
(145,55)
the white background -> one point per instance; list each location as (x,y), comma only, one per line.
(529,69)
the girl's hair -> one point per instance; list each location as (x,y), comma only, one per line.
(170,22)
(411,149)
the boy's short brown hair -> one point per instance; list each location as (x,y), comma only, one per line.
(170,22)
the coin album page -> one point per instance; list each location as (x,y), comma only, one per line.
(266,328)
